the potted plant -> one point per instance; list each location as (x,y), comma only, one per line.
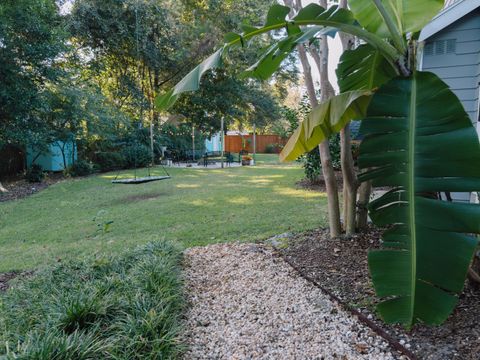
(247,160)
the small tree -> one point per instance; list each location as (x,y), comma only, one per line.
(418,141)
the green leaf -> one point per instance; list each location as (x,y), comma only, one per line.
(277,14)
(309,12)
(408,15)
(363,68)
(419,140)
(326,119)
(274,56)
(191,82)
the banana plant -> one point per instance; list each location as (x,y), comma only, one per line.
(418,142)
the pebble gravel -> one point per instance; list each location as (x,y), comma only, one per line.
(247,303)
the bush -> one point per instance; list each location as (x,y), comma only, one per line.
(273,148)
(81,168)
(312,164)
(113,307)
(110,160)
(136,155)
(35,174)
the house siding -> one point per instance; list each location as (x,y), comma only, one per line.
(459,69)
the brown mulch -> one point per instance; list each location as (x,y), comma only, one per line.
(21,188)
(340,266)
(319,184)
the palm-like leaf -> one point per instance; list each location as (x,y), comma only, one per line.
(363,68)
(322,21)
(407,15)
(326,119)
(420,140)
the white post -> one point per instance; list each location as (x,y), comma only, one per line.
(193,143)
(254,144)
(222,137)
(151,143)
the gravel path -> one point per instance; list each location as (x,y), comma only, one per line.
(246,303)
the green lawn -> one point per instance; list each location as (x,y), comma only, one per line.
(195,207)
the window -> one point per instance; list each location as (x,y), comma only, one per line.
(441,47)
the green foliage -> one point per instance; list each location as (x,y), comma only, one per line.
(363,68)
(31,38)
(136,155)
(35,174)
(273,148)
(110,160)
(178,139)
(81,168)
(429,146)
(407,15)
(326,119)
(112,307)
(323,20)
(311,161)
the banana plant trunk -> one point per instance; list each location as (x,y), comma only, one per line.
(350,182)
(364,192)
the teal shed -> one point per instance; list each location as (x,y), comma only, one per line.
(58,155)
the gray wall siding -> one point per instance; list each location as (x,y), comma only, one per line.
(461,69)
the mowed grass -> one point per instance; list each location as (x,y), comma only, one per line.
(195,207)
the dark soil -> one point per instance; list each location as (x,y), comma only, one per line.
(141,197)
(6,277)
(340,266)
(319,184)
(21,188)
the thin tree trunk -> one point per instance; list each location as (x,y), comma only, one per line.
(325,156)
(2,189)
(350,182)
(364,192)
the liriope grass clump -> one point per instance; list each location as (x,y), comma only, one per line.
(113,307)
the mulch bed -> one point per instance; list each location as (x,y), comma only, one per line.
(21,188)
(340,266)
(319,184)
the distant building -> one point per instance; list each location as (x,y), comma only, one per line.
(452,51)
(58,155)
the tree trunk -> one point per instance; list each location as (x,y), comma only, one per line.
(2,189)
(326,92)
(350,182)
(364,192)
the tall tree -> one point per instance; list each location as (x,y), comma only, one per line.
(326,92)
(32,42)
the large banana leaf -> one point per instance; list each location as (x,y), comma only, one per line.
(408,15)
(326,119)
(419,140)
(191,81)
(299,31)
(363,68)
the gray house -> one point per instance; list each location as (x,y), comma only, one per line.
(452,51)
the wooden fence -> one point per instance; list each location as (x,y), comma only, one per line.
(235,143)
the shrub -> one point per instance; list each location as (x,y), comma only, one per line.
(312,164)
(81,168)
(136,155)
(113,307)
(35,174)
(273,148)
(110,160)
